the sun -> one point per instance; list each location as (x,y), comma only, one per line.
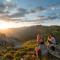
(6,25)
(3,25)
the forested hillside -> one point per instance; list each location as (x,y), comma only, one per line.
(27,33)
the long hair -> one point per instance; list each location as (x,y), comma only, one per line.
(40,39)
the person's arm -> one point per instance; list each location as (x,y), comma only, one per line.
(53,40)
(49,39)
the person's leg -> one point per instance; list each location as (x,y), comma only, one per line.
(39,57)
(44,57)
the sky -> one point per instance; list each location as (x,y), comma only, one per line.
(18,13)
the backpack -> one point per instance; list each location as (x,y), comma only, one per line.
(37,51)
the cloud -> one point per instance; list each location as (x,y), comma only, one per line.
(48,17)
(36,19)
(37,9)
(42,18)
(42,9)
(4,18)
(2,7)
(54,6)
(14,13)
(10,10)
(6,7)
(21,12)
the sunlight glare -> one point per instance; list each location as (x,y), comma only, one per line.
(6,25)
